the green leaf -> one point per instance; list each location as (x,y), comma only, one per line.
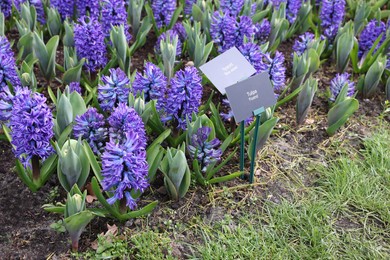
(92,160)
(226,177)
(25,177)
(264,133)
(98,193)
(73,74)
(138,213)
(339,114)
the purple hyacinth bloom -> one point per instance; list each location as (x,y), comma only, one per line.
(65,7)
(206,152)
(87,6)
(223,31)
(337,84)
(6,7)
(115,89)
(75,86)
(231,6)
(262,31)
(180,30)
(89,43)
(301,44)
(184,96)
(253,54)
(276,70)
(171,34)
(6,104)
(125,169)
(163,11)
(369,35)
(8,72)
(229,115)
(90,126)
(114,14)
(153,83)
(125,120)
(188,6)
(292,9)
(331,15)
(245,28)
(31,126)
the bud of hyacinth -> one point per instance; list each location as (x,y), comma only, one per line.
(275,69)
(231,6)
(90,127)
(204,151)
(31,126)
(331,15)
(152,83)
(262,31)
(87,6)
(115,89)
(301,44)
(223,31)
(184,96)
(125,120)
(114,14)
(75,86)
(171,34)
(369,35)
(180,31)
(89,43)
(337,84)
(245,28)
(64,7)
(6,7)
(163,11)
(125,169)
(253,54)
(188,6)
(7,65)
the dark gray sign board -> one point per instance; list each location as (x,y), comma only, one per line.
(227,69)
(249,95)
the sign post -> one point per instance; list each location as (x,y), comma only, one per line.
(248,95)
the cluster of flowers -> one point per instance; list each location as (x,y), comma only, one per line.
(176,102)
(228,30)
(125,168)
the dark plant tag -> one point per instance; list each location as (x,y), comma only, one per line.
(249,95)
(227,69)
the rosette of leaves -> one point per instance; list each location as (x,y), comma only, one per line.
(46,54)
(76,215)
(305,99)
(177,175)
(73,165)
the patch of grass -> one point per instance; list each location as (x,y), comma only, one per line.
(150,245)
(346,215)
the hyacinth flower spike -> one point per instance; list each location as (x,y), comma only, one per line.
(30,131)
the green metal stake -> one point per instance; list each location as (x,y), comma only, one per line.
(242,152)
(253,155)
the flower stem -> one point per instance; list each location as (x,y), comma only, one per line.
(35,167)
(75,245)
(122,206)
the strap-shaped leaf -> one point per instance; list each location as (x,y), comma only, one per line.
(339,114)
(226,177)
(264,133)
(92,160)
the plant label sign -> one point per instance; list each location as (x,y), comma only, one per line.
(227,69)
(249,95)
